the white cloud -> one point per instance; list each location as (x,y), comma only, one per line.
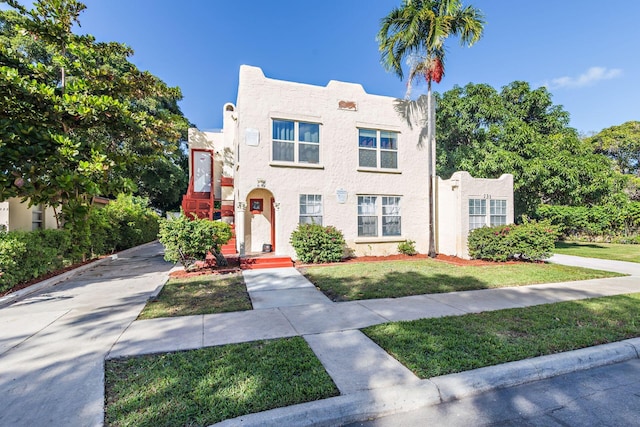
(588,78)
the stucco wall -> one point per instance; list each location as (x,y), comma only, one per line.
(261,99)
(453,207)
(21,218)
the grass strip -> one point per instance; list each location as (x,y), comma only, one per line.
(199,295)
(201,387)
(618,252)
(432,347)
(393,279)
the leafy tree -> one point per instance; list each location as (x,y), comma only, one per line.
(77,117)
(417,31)
(621,144)
(518,130)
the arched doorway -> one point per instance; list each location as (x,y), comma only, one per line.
(260,221)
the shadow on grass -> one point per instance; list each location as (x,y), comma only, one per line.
(391,285)
(574,245)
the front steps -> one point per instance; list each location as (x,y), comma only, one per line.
(255,262)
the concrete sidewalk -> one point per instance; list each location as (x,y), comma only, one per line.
(371,382)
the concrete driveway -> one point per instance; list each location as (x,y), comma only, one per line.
(53,343)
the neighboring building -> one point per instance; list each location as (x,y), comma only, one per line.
(17,215)
(293,153)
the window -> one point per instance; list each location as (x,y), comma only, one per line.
(36,217)
(370,215)
(498,211)
(377,149)
(310,209)
(296,141)
(478,213)
(391,216)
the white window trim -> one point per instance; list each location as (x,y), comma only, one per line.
(321,215)
(296,145)
(487,215)
(379,151)
(379,237)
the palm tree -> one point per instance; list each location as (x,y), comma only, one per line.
(416,31)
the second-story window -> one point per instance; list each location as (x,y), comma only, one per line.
(377,149)
(295,141)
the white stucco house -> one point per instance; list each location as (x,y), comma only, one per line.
(293,153)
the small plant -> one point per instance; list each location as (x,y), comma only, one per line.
(408,247)
(314,243)
(189,240)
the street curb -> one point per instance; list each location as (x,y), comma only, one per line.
(9,299)
(376,403)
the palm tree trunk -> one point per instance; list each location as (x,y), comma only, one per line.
(431,138)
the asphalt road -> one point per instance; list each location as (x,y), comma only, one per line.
(604,396)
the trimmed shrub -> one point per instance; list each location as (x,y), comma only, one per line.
(314,243)
(27,255)
(408,247)
(189,240)
(530,240)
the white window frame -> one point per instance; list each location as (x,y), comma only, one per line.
(375,209)
(378,148)
(298,144)
(480,216)
(315,205)
(497,212)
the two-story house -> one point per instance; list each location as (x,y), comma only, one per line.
(292,153)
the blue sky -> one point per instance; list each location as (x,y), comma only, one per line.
(586,52)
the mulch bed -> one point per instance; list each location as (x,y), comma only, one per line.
(401,257)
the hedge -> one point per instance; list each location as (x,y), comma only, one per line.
(25,255)
(530,240)
(619,222)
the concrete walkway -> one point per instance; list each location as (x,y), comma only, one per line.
(53,343)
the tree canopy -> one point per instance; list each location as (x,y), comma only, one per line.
(78,119)
(520,131)
(621,144)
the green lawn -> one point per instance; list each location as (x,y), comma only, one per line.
(617,252)
(199,295)
(432,347)
(393,279)
(202,387)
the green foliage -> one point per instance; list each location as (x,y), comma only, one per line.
(129,222)
(123,223)
(621,144)
(519,131)
(189,240)
(609,221)
(27,255)
(314,243)
(408,247)
(78,119)
(530,240)
(419,28)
